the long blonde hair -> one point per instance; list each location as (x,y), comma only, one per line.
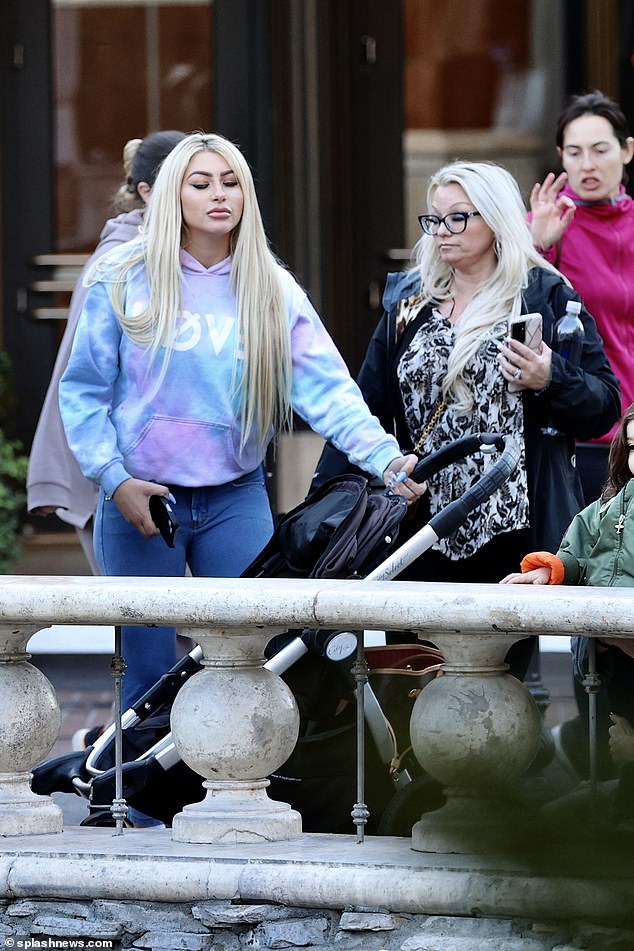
(494,193)
(263,326)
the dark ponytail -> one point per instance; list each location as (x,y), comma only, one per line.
(142,159)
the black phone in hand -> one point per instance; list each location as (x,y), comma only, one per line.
(163,518)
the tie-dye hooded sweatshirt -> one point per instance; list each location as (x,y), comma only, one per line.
(122,420)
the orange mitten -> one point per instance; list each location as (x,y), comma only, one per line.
(539,559)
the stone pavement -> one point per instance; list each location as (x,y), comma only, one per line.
(84,690)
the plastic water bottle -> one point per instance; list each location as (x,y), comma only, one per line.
(568,343)
(569,334)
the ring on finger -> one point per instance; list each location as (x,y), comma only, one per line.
(518,374)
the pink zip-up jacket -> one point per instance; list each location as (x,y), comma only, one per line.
(596,253)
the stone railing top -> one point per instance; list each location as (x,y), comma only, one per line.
(279,602)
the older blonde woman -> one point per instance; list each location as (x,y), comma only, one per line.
(440,363)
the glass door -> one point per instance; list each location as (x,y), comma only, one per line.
(482,81)
(79,79)
(121,69)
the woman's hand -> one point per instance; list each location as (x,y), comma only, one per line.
(395,478)
(551,211)
(132,498)
(522,365)
(539,575)
(621,740)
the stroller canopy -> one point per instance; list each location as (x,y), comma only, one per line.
(344,528)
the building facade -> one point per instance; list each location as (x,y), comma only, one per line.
(343,109)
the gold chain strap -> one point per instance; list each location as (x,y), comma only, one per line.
(439,409)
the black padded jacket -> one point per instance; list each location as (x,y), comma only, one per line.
(580,402)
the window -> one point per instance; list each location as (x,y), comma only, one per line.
(121,70)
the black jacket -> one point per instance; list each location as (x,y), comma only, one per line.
(582,402)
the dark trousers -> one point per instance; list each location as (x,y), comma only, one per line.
(617,696)
(620,687)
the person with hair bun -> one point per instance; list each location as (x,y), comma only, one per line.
(55,483)
(194,347)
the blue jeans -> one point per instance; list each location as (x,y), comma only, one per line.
(221,530)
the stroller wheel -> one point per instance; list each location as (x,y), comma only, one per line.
(422,794)
(102,818)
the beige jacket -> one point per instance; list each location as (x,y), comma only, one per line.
(54,477)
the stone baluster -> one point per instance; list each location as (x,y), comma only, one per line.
(475,729)
(29,724)
(234,723)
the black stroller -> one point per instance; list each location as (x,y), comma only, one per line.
(347,528)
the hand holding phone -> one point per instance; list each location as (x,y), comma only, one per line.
(527,329)
(163,518)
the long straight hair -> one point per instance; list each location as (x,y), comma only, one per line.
(618,469)
(494,193)
(264,390)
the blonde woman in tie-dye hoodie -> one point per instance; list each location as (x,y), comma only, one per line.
(194,347)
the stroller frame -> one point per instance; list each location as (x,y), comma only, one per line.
(336,646)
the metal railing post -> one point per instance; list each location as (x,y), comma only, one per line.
(360,812)
(592,685)
(119,807)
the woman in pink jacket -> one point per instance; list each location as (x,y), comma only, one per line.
(583,222)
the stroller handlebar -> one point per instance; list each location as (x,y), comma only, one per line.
(447,521)
(444,457)
(338,645)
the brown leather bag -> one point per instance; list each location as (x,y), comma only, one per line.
(397,674)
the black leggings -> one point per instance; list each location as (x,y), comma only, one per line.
(620,687)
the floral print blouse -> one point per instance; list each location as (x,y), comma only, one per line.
(421,371)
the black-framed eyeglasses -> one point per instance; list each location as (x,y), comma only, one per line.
(455,223)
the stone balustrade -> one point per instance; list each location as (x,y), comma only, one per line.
(235,722)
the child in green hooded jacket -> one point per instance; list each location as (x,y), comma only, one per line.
(598,549)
